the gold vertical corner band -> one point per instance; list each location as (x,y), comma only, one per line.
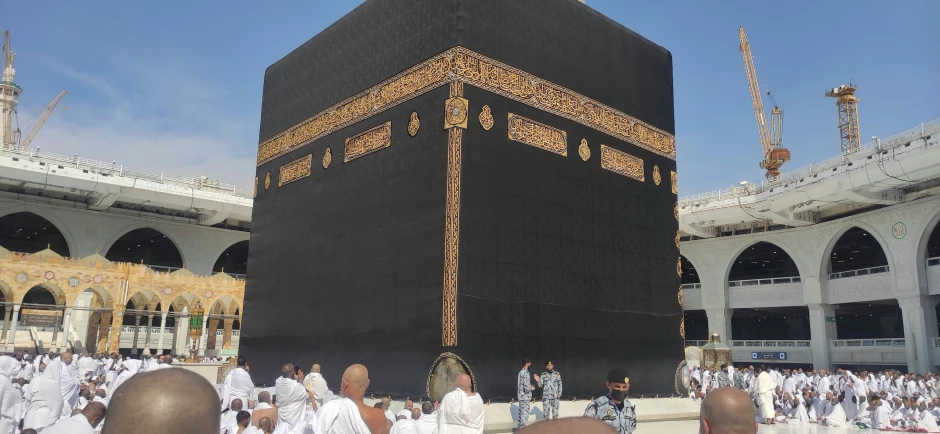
(368,141)
(267,181)
(537,134)
(675,182)
(456,112)
(451,238)
(254,193)
(295,170)
(622,163)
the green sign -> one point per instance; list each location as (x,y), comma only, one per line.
(830,319)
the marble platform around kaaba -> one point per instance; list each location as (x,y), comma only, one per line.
(451,184)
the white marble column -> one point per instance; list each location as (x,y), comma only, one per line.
(149,329)
(920,327)
(11,344)
(136,330)
(162,330)
(719,321)
(822,330)
(65,330)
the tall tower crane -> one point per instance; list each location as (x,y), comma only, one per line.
(848,116)
(42,120)
(774,154)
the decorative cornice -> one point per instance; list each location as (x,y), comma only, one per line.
(465,66)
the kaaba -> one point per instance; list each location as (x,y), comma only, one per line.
(470,182)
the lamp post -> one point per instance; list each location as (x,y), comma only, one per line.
(195,329)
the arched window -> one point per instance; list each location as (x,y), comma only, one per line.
(234,260)
(26,232)
(857,250)
(40,295)
(689,275)
(762,261)
(146,245)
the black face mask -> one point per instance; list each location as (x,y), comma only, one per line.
(618,395)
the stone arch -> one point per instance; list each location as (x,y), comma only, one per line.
(789,252)
(689,273)
(233,259)
(68,238)
(922,245)
(7,292)
(837,236)
(102,296)
(138,226)
(57,294)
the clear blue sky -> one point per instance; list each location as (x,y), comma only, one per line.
(175,86)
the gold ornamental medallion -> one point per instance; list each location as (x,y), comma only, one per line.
(583,150)
(657,178)
(414,124)
(327,158)
(486,118)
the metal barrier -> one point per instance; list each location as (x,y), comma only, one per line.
(691,286)
(933,261)
(859,272)
(760,282)
(868,343)
(772,344)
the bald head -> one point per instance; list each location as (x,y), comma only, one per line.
(727,410)
(355,381)
(265,424)
(416,413)
(463,382)
(94,412)
(144,405)
(264,397)
(287,371)
(315,368)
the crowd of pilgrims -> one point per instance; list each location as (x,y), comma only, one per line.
(888,399)
(63,393)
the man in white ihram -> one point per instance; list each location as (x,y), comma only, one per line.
(314,380)
(292,398)
(765,390)
(238,384)
(461,411)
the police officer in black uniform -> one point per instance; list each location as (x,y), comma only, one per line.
(614,409)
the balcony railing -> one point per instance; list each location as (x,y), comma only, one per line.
(114,169)
(691,286)
(695,343)
(760,282)
(933,261)
(868,343)
(859,272)
(936,342)
(795,176)
(771,344)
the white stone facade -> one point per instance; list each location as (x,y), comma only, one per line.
(88,232)
(909,279)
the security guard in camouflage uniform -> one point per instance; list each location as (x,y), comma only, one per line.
(614,409)
(550,382)
(524,392)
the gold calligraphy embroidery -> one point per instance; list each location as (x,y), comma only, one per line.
(621,162)
(525,130)
(368,142)
(295,170)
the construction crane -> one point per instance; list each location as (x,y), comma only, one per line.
(42,120)
(848,116)
(774,154)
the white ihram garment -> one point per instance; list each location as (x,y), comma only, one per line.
(316,382)
(460,414)
(406,426)
(427,424)
(765,390)
(340,416)
(238,385)
(45,401)
(77,424)
(68,386)
(11,402)
(291,406)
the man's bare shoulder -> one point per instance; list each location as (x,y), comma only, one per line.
(374,418)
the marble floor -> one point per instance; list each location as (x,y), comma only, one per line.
(691,427)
